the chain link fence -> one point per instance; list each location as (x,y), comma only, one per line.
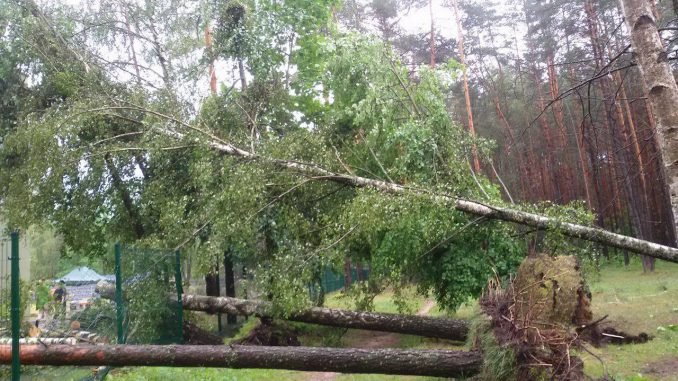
(5,294)
(148,295)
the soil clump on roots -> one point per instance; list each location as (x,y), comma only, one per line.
(529,329)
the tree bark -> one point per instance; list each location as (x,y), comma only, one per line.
(467,96)
(438,363)
(406,324)
(432,41)
(536,221)
(212,288)
(229,283)
(660,85)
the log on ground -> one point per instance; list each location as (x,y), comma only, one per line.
(406,324)
(440,328)
(439,363)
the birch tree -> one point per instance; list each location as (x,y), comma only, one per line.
(660,84)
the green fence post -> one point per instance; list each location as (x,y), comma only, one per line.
(180,291)
(119,312)
(15,289)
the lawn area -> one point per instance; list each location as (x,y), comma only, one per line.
(635,302)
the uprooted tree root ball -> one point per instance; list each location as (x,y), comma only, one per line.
(529,329)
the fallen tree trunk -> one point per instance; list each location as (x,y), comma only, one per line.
(537,221)
(439,363)
(407,324)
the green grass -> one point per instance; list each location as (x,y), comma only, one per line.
(384,302)
(636,302)
(203,374)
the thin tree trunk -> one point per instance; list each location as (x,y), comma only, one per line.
(212,288)
(243,76)
(551,187)
(347,274)
(467,96)
(229,280)
(471,207)
(432,41)
(133,52)
(212,73)
(132,211)
(661,88)
(564,173)
(439,363)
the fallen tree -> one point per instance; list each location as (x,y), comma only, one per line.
(439,363)
(536,221)
(407,324)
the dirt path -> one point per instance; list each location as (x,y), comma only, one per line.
(357,338)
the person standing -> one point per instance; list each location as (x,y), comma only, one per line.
(60,295)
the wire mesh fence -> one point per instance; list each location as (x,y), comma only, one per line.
(5,293)
(148,288)
(332,280)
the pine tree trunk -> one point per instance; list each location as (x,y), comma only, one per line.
(407,324)
(438,363)
(661,88)
(467,95)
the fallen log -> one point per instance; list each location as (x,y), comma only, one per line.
(406,324)
(537,221)
(438,363)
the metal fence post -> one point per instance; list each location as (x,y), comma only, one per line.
(15,289)
(119,311)
(180,291)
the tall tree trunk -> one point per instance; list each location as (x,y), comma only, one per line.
(212,288)
(229,283)
(212,73)
(243,74)
(565,179)
(467,95)
(432,41)
(438,363)
(551,187)
(661,88)
(133,52)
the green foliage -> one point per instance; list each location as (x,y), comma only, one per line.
(150,316)
(45,253)
(499,361)
(95,164)
(6,300)
(98,317)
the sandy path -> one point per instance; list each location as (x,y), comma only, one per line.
(369,340)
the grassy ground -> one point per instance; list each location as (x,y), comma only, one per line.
(637,302)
